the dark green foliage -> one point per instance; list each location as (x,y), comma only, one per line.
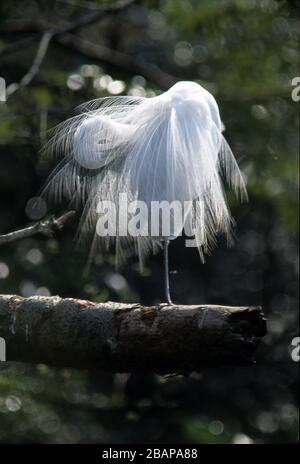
(245,53)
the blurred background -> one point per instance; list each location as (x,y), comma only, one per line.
(246,53)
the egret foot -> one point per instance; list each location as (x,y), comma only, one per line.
(159,306)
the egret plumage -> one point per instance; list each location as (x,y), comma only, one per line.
(168,148)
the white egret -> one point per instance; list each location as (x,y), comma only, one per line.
(166,148)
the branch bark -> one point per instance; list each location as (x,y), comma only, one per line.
(128,337)
(80,22)
(47,227)
(118,59)
(98,52)
(34,68)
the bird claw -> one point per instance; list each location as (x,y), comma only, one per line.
(159,306)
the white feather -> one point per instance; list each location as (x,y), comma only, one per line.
(168,147)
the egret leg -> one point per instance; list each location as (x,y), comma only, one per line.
(167,273)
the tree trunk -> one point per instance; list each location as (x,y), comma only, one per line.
(120,337)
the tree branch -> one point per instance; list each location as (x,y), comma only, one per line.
(79,23)
(120,60)
(125,337)
(35,67)
(47,227)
